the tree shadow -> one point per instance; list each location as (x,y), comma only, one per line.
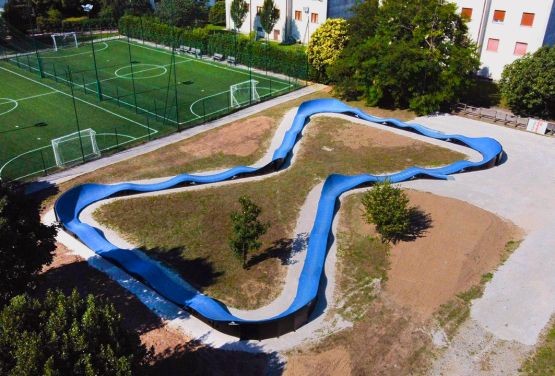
(198,271)
(282,249)
(419,223)
(193,358)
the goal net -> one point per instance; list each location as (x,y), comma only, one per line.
(64,40)
(243,93)
(74,147)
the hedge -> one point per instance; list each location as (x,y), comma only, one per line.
(271,57)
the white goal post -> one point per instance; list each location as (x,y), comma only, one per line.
(243,93)
(64,39)
(74,147)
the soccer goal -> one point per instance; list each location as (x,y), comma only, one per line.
(243,93)
(64,40)
(74,147)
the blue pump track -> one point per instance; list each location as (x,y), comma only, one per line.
(70,204)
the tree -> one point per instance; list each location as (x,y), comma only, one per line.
(416,55)
(269,16)
(182,12)
(247,229)
(66,335)
(238,11)
(216,15)
(326,44)
(387,207)
(528,84)
(27,244)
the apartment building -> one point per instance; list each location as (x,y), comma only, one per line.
(298,18)
(508,29)
(503,29)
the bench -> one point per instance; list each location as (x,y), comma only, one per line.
(184,49)
(196,52)
(218,57)
(231,60)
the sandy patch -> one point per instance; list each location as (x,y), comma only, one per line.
(463,243)
(336,361)
(357,137)
(241,138)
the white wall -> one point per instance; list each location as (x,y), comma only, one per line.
(287,8)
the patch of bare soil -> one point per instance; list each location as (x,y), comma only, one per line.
(357,137)
(336,361)
(241,138)
(173,352)
(462,243)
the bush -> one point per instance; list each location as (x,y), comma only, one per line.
(27,244)
(216,15)
(66,335)
(182,12)
(326,45)
(387,207)
(528,84)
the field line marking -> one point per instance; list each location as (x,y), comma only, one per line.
(80,53)
(135,72)
(79,99)
(237,70)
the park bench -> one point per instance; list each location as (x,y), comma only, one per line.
(231,60)
(218,57)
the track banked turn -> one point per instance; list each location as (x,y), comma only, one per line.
(70,204)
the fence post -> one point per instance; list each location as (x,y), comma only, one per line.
(203,110)
(117,139)
(43,163)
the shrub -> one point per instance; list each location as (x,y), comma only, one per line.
(27,244)
(528,84)
(247,229)
(66,335)
(326,45)
(387,207)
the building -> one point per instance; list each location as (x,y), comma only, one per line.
(505,30)
(298,18)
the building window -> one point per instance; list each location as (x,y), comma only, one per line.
(466,14)
(314,17)
(493,45)
(298,15)
(520,48)
(527,19)
(276,34)
(258,10)
(499,16)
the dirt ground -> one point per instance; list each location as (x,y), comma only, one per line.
(174,353)
(395,337)
(357,137)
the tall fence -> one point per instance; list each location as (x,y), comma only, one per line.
(157,107)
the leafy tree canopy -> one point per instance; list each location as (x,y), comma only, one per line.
(408,54)
(27,244)
(269,16)
(528,84)
(247,229)
(216,15)
(238,11)
(182,12)
(326,44)
(66,335)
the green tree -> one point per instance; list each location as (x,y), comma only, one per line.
(27,244)
(326,44)
(238,12)
(216,15)
(247,229)
(269,16)
(182,12)
(386,207)
(528,84)
(66,335)
(416,55)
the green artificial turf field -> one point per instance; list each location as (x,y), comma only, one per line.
(144,94)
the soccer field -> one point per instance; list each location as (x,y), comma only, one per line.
(140,99)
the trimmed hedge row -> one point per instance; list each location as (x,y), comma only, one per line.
(247,52)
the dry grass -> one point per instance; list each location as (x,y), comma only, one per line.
(189,230)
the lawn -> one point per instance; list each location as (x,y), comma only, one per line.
(188,231)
